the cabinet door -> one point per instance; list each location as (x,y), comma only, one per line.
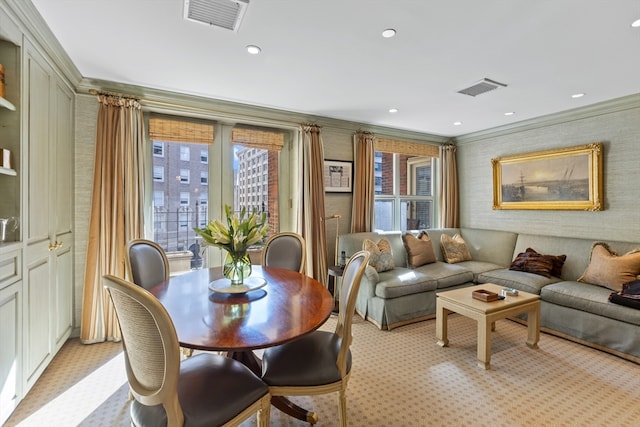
(62,166)
(63,310)
(37,315)
(38,75)
(9,349)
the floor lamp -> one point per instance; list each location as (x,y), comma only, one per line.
(337,218)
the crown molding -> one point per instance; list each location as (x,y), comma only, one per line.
(163,101)
(594,110)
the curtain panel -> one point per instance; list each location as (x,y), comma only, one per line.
(449,197)
(362,212)
(311,208)
(116,210)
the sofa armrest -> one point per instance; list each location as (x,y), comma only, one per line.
(367,290)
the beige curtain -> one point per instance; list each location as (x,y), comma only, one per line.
(362,212)
(311,209)
(449,210)
(116,210)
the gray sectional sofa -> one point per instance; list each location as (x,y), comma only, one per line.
(571,309)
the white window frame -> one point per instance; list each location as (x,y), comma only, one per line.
(158,173)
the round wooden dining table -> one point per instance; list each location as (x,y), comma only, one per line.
(288,306)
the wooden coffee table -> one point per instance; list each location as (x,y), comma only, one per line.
(486,313)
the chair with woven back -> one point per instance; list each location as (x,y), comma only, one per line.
(319,362)
(146,262)
(285,250)
(204,390)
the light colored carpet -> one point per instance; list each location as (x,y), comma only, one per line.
(399,378)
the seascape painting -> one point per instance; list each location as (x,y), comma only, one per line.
(554,179)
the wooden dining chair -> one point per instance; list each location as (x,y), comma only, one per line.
(204,390)
(319,362)
(146,263)
(285,250)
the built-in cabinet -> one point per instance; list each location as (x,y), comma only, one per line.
(48,229)
(36,261)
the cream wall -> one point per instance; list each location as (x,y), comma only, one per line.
(617,126)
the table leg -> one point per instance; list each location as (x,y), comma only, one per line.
(484,343)
(250,360)
(441,324)
(533,327)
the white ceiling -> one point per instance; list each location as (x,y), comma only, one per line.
(328,58)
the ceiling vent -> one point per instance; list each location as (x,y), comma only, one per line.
(484,85)
(219,13)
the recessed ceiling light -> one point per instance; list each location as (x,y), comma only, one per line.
(577,95)
(253,49)
(636,23)
(388,33)
(457,123)
(393,110)
(509,113)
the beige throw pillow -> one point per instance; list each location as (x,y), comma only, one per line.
(608,269)
(454,249)
(381,258)
(419,250)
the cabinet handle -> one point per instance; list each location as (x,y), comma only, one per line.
(59,245)
(52,246)
(55,245)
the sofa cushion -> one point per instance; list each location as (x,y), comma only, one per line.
(380,254)
(446,275)
(419,249)
(403,281)
(608,269)
(592,299)
(454,249)
(520,280)
(479,267)
(532,262)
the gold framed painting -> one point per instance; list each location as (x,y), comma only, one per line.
(562,179)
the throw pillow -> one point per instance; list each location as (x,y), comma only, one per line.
(419,249)
(557,260)
(608,269)
(454,249)
(381,258)
(533,262)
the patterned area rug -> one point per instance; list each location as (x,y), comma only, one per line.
(399,378)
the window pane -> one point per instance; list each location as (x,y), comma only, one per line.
(179,204)
(383,169)
(253,168)
(204,156)
(383,214)
(418,176)
(416,214)
(158,149)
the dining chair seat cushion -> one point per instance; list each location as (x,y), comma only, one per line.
(307,361)
(212,389)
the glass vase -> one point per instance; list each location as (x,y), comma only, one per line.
(237,268)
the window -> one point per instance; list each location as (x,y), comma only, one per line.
(158,173)
(158,199)
(184,176)
(158,149)
(404,198)
(186,202)
(184,153)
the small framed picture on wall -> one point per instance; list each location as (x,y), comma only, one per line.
(338,176)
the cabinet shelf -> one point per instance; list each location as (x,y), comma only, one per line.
(7,171)
(6,104)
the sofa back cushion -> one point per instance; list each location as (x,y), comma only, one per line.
(494,246)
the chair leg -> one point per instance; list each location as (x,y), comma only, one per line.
(264,414)
(342,408)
